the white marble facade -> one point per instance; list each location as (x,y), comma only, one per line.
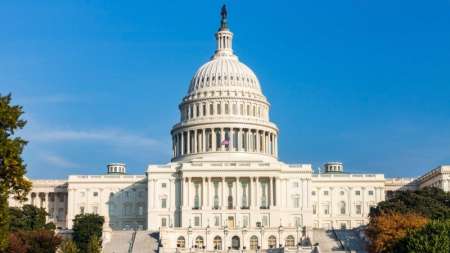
(224,187)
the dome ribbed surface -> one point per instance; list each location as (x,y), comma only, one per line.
(224,73)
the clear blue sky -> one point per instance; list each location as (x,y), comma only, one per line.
(363,82)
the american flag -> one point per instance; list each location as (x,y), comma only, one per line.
(225,142)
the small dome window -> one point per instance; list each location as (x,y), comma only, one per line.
(213,78)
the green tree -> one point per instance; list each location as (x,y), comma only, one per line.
(430,202)
(28,217)
(85,226)
(12,167)
(432,238)
(68,246)
(42,241)
(94,245)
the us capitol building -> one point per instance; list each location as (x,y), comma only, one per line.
(224,187)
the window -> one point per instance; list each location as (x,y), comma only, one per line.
(254,242)
(50,214)
(217,220)
(82,209)
(272,242)
(218,109)
(357,193)
(204,110)
(211,109)
(313,193)
(235,242)
(181,242)
(370,193)
(95,194)
(217,242)
(290,241)
(314,209)
(295,184)
(163,185)
(227,110)
(197,221)
(358,209)
(326,209)
(265,221)
(164,203)
(342,193)
(245,221)
(342,207)
(163,222)
(296,200)
(325,193)
(199,242)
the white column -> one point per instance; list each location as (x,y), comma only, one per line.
(363,193)
(222,137)
(257,194)
(182,143)
(238,193)
(350,201)
(270,193)
(278,191)
(223,193)
(213,139)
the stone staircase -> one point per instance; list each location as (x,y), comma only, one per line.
(146,242)
(119,243)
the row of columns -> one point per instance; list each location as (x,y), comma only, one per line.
(255,189)
(224,139)
(198,110)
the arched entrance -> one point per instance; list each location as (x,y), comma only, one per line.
(217,243)
(235,242)
(254,242)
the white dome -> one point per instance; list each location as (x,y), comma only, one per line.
(224,72)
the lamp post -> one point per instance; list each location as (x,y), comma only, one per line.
(189,238)
(261,231)
(225,233)
(280,230)
(206,238)
(298,241)
(244,232)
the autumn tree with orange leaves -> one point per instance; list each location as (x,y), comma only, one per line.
(387,229)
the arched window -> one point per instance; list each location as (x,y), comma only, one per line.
(254,242)
(211,109)
(217,242)
(342,207)
(272,242)
(199,242)
(227,109)
(290,241)
(235,242)
(181,242)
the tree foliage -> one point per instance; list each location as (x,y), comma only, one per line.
(68,246)
(387,229)
(85,226)
(430,202)
(432,238)
(35,241)
(12,167)
(28,218)
(94,245)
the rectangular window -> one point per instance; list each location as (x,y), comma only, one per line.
(296,200)
(358,209)
(204,109)
(357,193)
(326,209)
(314,209)
(265,221)
(50,214)
(370,193)
(197,221)
(245,221)
(217,221)
(219,111)
(163,203)
(95,194)
(163,185)
(163,222)
(325,193)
